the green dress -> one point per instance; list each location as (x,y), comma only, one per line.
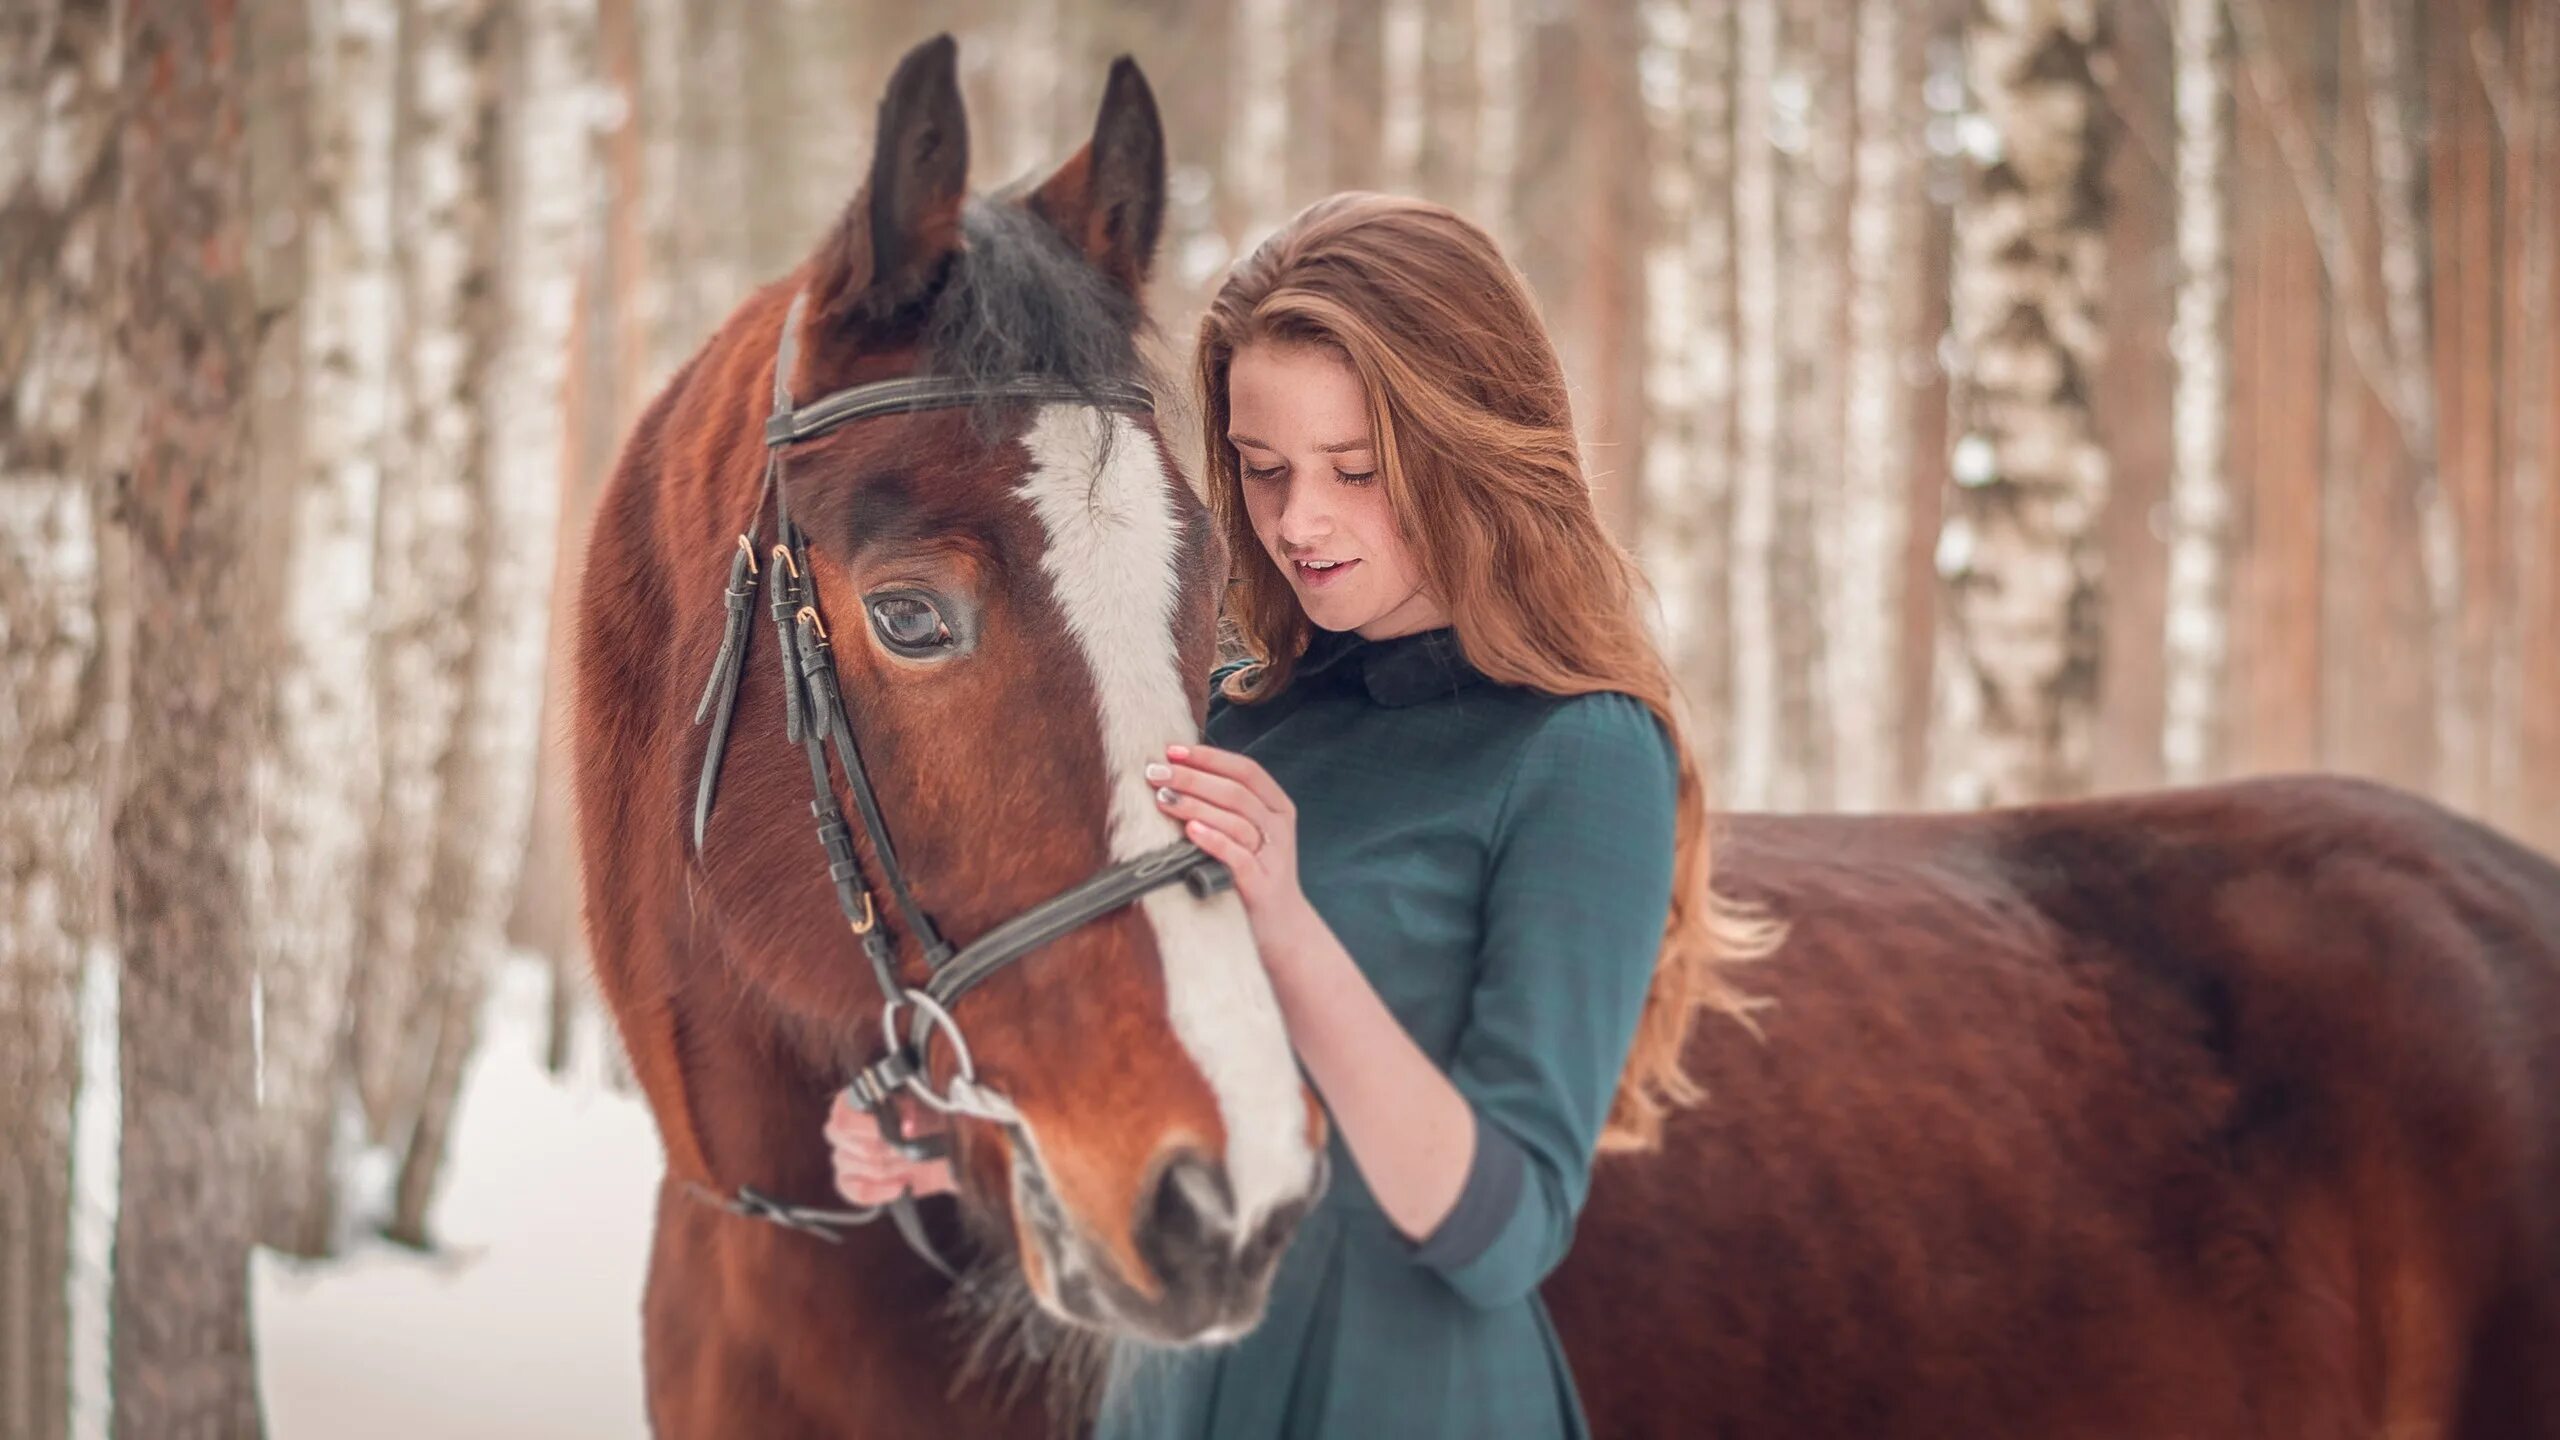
(1498,862)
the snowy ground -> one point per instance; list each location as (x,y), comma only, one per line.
(528,1325)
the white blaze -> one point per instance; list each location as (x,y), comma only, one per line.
(1113,548)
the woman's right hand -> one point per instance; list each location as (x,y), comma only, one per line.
(868,1170)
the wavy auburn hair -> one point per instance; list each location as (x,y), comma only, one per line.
(1475,442)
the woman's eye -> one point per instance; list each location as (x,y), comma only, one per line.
(908,622)
(1363,478)
(1274,473)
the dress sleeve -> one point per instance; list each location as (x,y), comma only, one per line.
(1577,894)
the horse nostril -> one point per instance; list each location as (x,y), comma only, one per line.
(1191,1203)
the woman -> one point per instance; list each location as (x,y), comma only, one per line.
(1452,787)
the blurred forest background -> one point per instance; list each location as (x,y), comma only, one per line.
(2009,399)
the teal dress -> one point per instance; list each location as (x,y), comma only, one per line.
(1498,862)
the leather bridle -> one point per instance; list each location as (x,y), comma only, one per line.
(814,718)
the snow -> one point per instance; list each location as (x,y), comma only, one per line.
(527,1323)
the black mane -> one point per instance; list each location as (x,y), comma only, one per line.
(1021,302)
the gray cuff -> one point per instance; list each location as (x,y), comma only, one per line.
(1484,1205)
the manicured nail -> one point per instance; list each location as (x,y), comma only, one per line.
(1159,773)
(1165,796)
(1177,751)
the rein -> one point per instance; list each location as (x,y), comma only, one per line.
(814,717)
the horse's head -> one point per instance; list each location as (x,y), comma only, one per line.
(1022,600)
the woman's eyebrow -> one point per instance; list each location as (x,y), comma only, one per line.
(1338,447)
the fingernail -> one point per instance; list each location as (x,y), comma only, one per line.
(1165,796)
(1177,751)
(1159,773)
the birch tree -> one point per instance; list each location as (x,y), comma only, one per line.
(2019,630)
(58,80)
(1865,650)
(2527,676)
(1681,478)
(487,805)
(182,1357)
(1257,148)
(1701,490)
(1809,129)
(2393,99)
(1403,53)
(318,777)
(2197,640)
(429,528)
(1756,406)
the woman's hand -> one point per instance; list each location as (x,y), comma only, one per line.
(868,1170)
(1232,808)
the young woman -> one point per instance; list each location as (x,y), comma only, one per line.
(1453,789)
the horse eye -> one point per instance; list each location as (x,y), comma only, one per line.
(909,622)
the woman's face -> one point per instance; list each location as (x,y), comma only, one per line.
(1299,421)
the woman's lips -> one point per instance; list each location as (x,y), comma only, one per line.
(1319,579)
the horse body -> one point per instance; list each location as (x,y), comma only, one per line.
(2231,1112)
(2220,1113)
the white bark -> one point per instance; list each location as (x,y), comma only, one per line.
(1705,656)
(2017,551)
(1811,131)
(1668,542)
(1498,108)
(488,808)
(1865,650)
(58,82)
(2400,218)
(1402,66)
(1257,158)
(715,185)
(429,522)
(2534,132)
(2197,643)
(318,778)
(657,300)
(1756,404)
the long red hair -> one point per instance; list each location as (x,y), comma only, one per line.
(1475,444)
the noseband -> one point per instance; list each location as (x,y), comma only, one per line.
(814,717)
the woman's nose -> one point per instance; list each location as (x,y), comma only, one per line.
(1304,516)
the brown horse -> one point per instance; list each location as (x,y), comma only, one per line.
(1023,607)
(2228,1113)
(2224,1112)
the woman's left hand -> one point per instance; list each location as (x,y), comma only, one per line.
(1232,808)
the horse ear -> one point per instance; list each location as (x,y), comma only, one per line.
(1109,199)
(895,241)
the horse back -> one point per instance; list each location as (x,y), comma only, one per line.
(2230,1111)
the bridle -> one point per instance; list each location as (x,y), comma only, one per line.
(814,717)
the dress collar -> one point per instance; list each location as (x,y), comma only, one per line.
(1401,670)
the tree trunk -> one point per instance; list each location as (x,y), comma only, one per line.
(2394,101)
(2529,657)
(1865,649)
(318,778)
(1703,647)
(1404,29)
(2197,636)
(1257,157)
(57,92)
(1810,115)
(1756,407)
(1354,124)
(183,1361)
(431,518)
(1688,344)
(2019,625)
(1499,105)
(488,805)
